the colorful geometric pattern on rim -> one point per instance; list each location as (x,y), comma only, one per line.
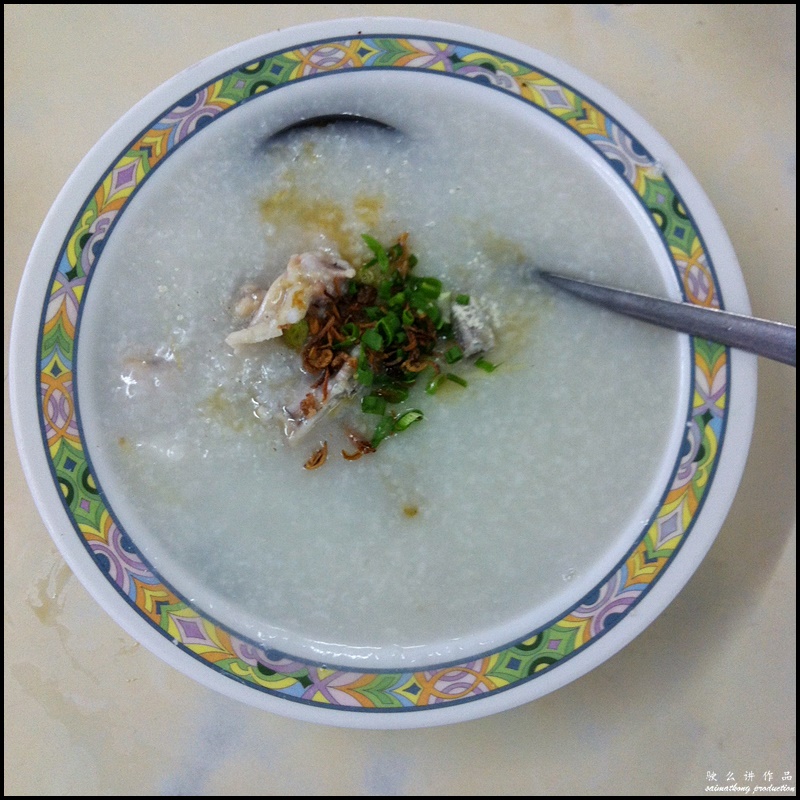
(276,673)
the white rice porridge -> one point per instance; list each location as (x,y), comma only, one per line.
(511,499)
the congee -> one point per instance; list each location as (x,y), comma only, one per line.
(508,500)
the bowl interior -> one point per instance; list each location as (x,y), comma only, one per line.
(528,515)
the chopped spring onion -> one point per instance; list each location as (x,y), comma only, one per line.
(388,326)
(428,308)
(383,430)
(351,333)
(462,299)
(372,404)
(365,376)
(418,301)
(393,394)
(406,419)
(454,354)
(372,339)
(295,335)
(389,425)
(434,383)
(430,288)
(378,251)
(385,289)
(485,365)
(456,379)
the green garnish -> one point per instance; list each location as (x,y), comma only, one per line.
(381,256)
(408,418)
(351,333)
(295,335)
(365,376)
(385,290)
(372,404)
(393,394)
(396,326)
(429,288)
(388,425)
(388,326)
(372,339)
(485,365)
(383,430)
(456,379)
(434,383)
(454,354)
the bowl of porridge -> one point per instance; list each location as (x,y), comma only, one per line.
(297,412)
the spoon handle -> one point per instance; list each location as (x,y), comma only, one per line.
(773,340)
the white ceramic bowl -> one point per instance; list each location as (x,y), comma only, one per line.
(343,66)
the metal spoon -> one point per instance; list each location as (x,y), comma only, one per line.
(773,340)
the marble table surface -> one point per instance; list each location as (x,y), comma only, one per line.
(704,698)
